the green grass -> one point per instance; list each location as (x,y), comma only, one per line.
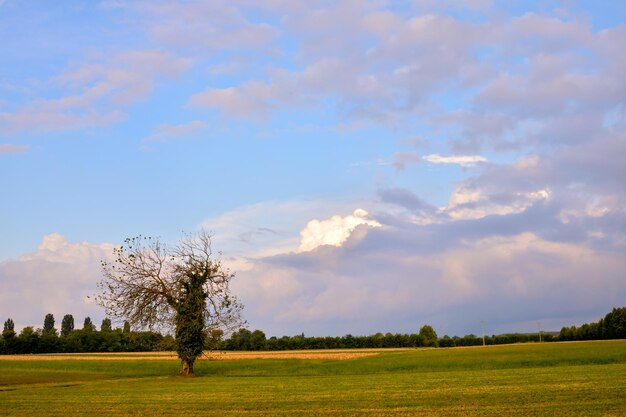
(564,379)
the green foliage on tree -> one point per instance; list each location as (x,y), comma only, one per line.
(28,340)
(446,341)
(88,325)
(189,319)
(118,340)
(48,324)
(428,336)
(258,341)
(105,326)
(612,326)
(184,288)
(168,343)
(67,325)
(244,339)
(48,341)
(8,332)
(239,340)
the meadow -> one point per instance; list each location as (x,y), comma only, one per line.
(574,378)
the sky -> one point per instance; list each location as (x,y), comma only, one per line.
(365,166)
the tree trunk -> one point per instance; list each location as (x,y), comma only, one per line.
(187,366)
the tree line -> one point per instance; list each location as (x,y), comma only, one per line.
(612,326)
(107,339)
(87,339)
(245,339)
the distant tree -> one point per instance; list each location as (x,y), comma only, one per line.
(8,337)
(106,325)
(614,324)
(282,343)
(167,344)
(8,332)
(388,340)
(88,325)
(48,324)
(348,341)
(49,341)
(428,336)
(567,333)
(588,331)
(378,340)
(239,340)
(67,325)
(28,340)
(126,328)
(184,287)
(258,340)
(446,341)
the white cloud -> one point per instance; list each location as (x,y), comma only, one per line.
(472,203)
(376,64)
(57,278)
(463,160)
(333,231)
(93,92)
(375,284)
(267,228)
(525,81)
(252,100)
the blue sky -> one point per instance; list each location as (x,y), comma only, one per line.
(365,165)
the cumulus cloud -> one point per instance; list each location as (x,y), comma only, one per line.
(333,231)
(59,277)
(268,228)
(398,277)
(541,238)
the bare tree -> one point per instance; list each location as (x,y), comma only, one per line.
(183,287)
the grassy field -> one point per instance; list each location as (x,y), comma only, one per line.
(583,378)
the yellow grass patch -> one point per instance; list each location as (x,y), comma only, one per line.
(336,354)
(89,357)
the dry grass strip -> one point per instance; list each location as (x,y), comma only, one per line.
(336,354)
